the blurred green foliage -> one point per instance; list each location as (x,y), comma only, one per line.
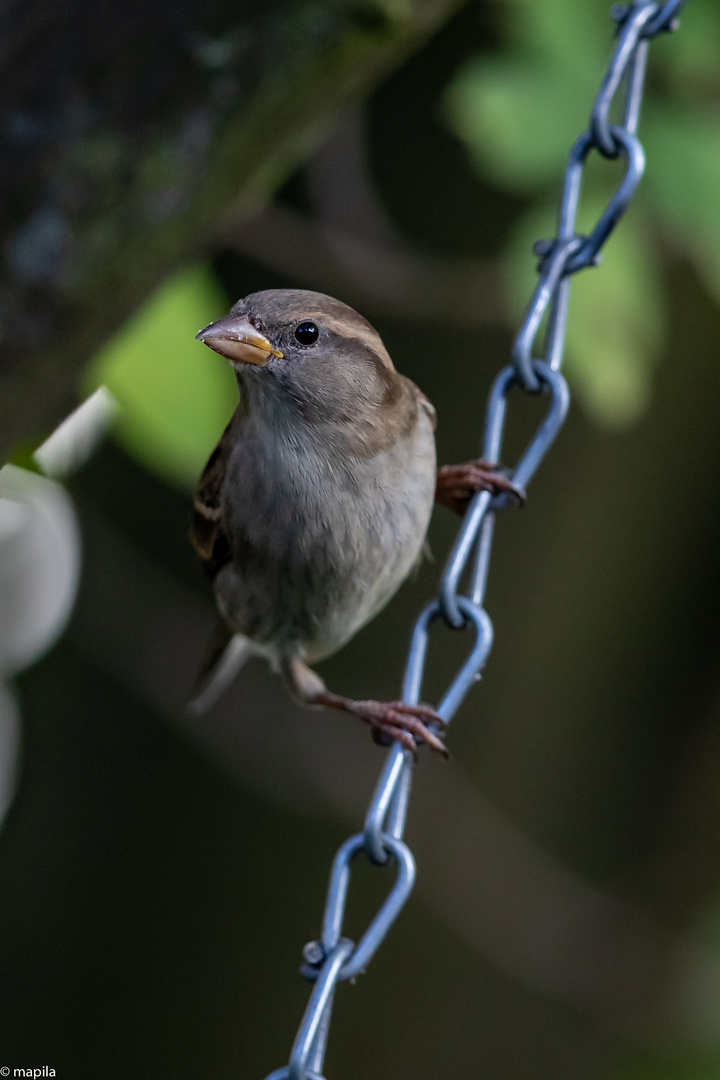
(518,111)
(616,317)
(176,396)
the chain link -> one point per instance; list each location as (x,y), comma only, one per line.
(333,958)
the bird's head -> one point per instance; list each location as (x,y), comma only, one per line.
(295,325)
(304,340)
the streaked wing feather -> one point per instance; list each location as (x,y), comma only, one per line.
(207,534)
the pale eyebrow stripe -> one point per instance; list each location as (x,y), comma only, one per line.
(363,334)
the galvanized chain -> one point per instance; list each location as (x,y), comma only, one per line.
(334,958)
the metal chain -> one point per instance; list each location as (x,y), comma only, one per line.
(333,958)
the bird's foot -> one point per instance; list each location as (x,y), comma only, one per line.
(395,721)
(457,484)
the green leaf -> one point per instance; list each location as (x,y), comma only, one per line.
(691,58)
(516,123)
(570,38)
(615,325)
(176,396)
(518,113)
(683,181)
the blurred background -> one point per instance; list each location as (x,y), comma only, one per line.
(159,874)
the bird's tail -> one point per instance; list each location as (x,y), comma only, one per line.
(225,656)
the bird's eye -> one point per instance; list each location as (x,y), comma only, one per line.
(306,333)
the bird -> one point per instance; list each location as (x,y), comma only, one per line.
(314,506)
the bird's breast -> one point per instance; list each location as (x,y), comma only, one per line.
(321,540)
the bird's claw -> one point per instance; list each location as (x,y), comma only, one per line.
(457,484)
(396,721)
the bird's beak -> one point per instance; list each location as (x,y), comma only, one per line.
(238,340)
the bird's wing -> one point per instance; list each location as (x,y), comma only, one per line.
(427,407)
(207,532)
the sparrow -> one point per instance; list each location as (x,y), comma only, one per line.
(314,506)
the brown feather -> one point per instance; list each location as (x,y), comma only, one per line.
(427,407)
(207,532)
